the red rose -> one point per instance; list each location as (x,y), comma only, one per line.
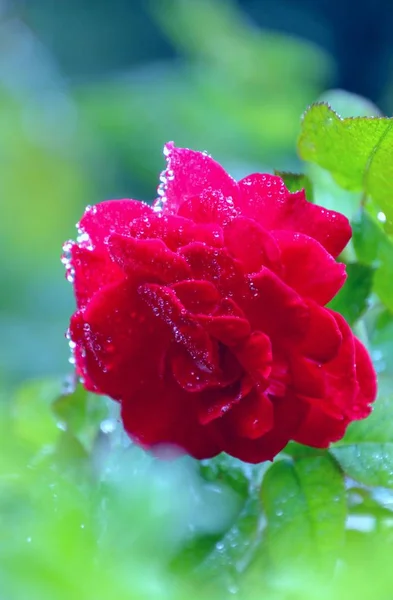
(204,315)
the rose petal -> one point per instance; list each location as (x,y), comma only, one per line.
(227,324)
(252,417)
(288,415)
(307,377)
(190,174)
(216,403)
(367,381)
(255,356)
(308,267)
(147,258)
(319,429)
(176,231)
(340,372)
(93,270)
(215,265)
(323,337)
(274,308)
(79,354)
(266,199)
(112,216)
(192,379)
(162,413)
(279,377)
(185,330)
(211,206)
(197,296)
(252,245)
(114,336)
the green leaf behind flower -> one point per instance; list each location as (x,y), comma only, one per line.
(297,181)
(351,301)
(356,151)
(373,247)
(304,502)
(366,451)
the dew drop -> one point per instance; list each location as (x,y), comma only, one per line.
(220,546)
(108,426)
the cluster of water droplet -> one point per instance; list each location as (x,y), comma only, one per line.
(165,176)
(72,346)
(66,259)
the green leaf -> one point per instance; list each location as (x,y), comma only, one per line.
(347,104)
(229,471)
(32,418)
(381,339)
(297,181)
(378,427)
(383,277)
(235,550)
(356,151)
(351,301)
(368,462)
(374,247)
(297,451)
(304,502)
(366,237)
(81,412)
(366,451)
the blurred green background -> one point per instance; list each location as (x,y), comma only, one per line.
(90,92)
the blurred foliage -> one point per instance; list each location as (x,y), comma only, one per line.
(236,91)
(85,514)
(104,518)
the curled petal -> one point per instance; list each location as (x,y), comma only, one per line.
(227,324)
(308,380)
(184,330)
(189,174)
(216,403)
(308,268)
(197,296)
(367,381)
(252,417)
(147,258)
(192,379)
(323,336)
(215,265)
(275,308)
(319,429)
(340,372)
(252,245)
(176,231)
(266,199)
(255,356)
(288,413)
